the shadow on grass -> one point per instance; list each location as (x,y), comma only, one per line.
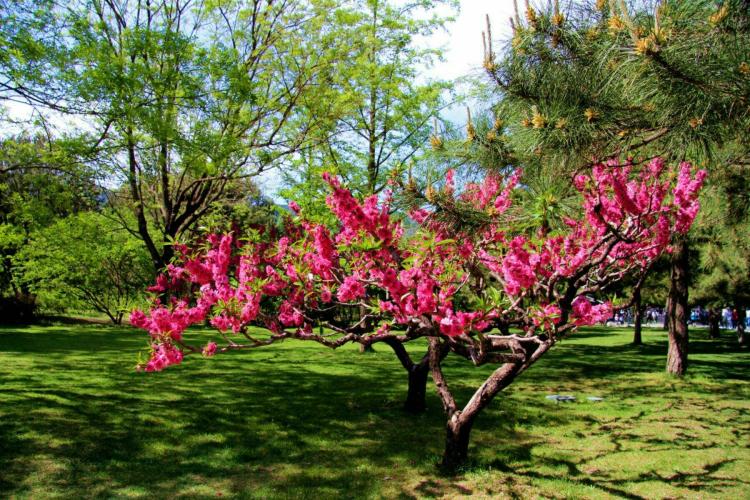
(291,420)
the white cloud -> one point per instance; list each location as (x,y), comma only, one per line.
(462,40)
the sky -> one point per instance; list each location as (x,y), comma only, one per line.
(463,40)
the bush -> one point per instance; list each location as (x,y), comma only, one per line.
(85,262)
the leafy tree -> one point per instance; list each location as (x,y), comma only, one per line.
(380,109)
(618,79)
(244,210)
(83,261)
(450,285)
(185,98)
(35,191)
(724,254)
(25,62)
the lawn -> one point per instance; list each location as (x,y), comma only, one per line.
(297,420)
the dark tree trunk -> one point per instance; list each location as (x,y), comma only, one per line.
(714,318)
(135,192)
(415,397)
(456,450)
(677,356)
(637,317)
(365,349)
(742,337)
(417,376)
(667,307)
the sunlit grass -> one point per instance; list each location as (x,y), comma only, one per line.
(298,420)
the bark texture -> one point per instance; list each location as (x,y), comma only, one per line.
(417,373)
(365,349)
(461,420)
(456,444)
(678,313)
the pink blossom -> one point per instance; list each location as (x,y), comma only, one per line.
(449,180)
(289,315)
(425,297)
(456,281)
(210,349)
(251,308)
(584,313)
(138,319)
(546,316)
(351,289)
(419,215)
(502,202)
(451,325)
(517,268)
(162,356)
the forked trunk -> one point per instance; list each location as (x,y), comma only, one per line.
(677,356)
(417,376)
(460,421)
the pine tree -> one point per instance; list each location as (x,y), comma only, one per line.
(630,80)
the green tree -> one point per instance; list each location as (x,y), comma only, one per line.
(186,98)
(25,58)
(724,253)
(83,262)
(616,79)
(380,110)
(35,191)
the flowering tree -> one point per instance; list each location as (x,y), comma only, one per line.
(494,295)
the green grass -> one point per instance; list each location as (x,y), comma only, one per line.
(297,420)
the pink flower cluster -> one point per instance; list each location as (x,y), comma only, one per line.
(163,355)
(492,192)
(686,196)
(586,313)
(430,277)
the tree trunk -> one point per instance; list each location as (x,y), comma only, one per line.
(135,192)
(667,307)
(456,450)
(714,318)
(637,317)
(677,357)
(742,337)
(415,397)
(417,372)
(365,349)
